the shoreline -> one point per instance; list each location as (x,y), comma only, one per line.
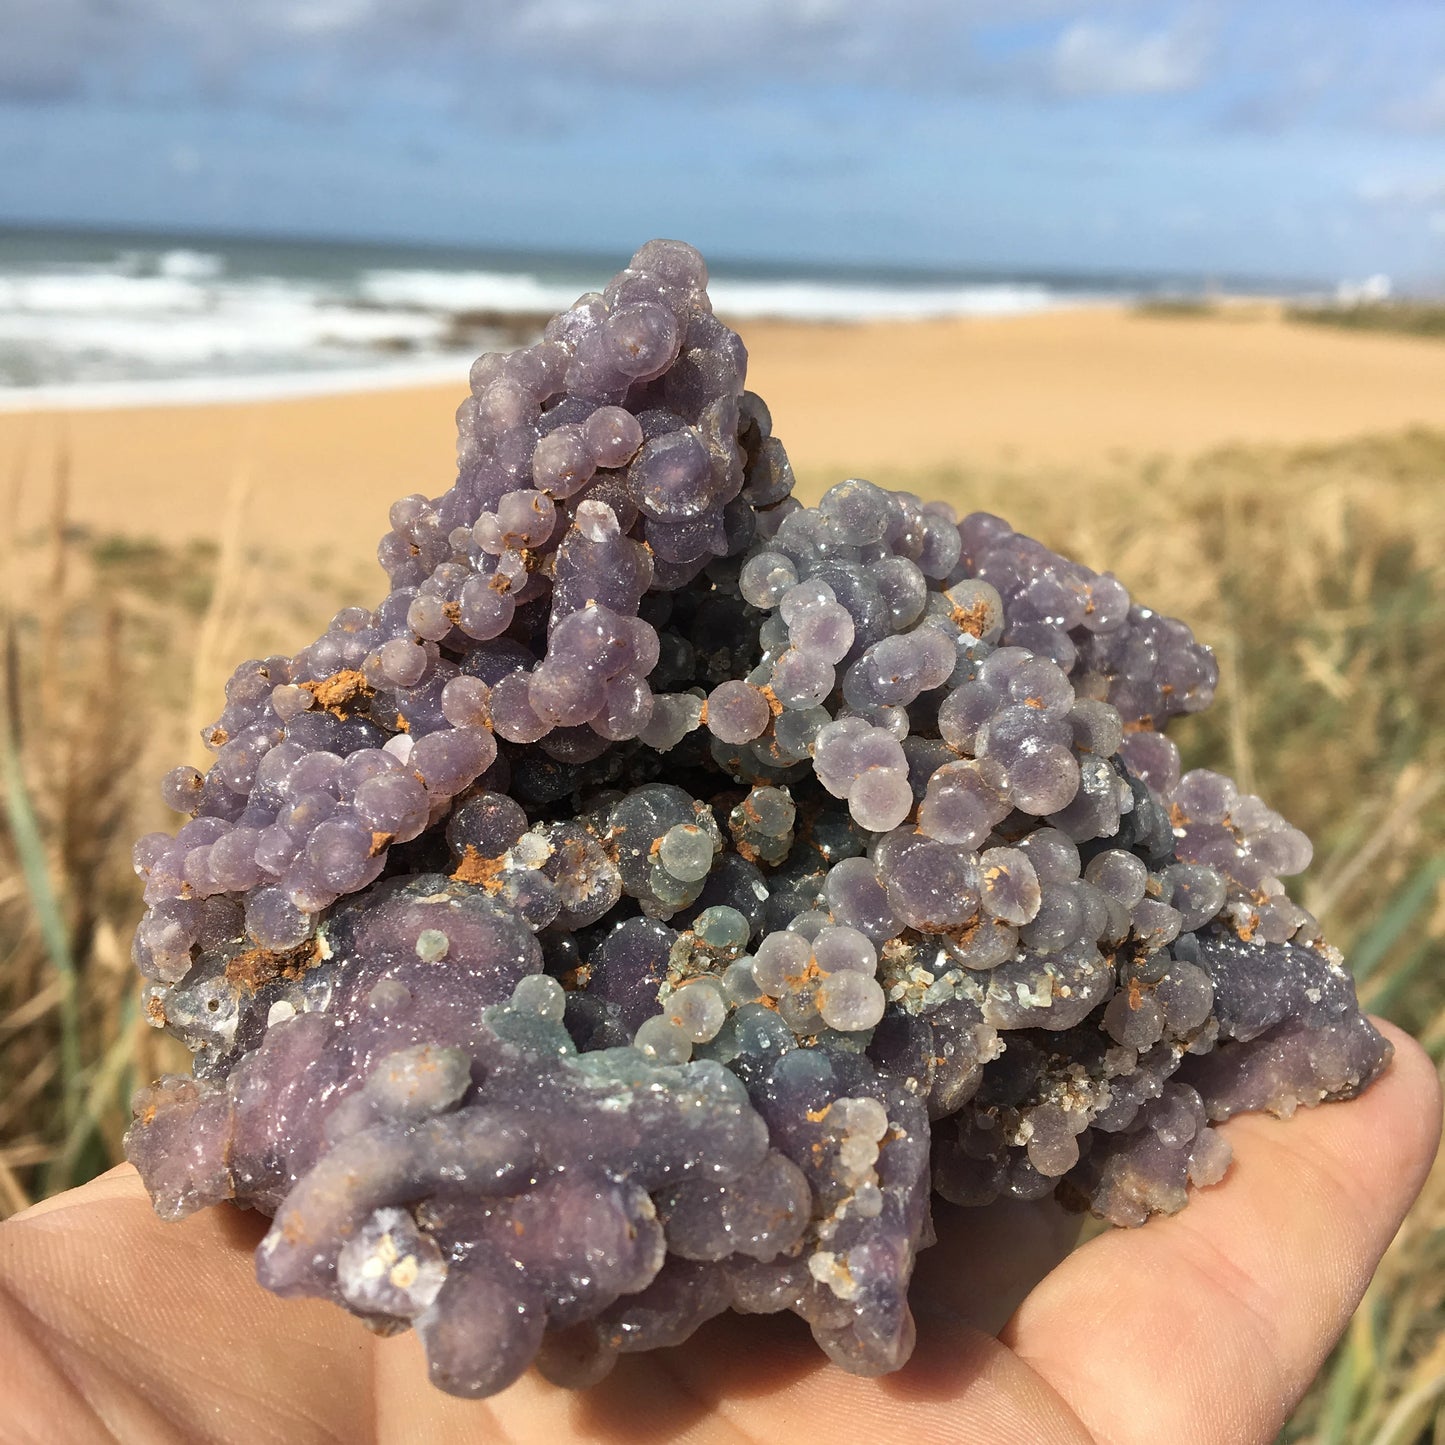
(1076,389)
(241,390)
(434,369)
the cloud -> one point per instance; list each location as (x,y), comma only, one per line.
(54,46)
(1410,200)
(514,65)
(1407,192)
(249,48)
(1422,111)
(44,43)
(1091,58)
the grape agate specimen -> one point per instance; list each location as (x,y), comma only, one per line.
(668,886)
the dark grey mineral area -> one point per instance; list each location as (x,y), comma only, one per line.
(667,887)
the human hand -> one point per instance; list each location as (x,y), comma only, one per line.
(1205,1327)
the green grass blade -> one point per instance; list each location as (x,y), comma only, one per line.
(106,1084)
(1398,915)
(1355,1363)
(1391,988)
(1411,1414)
(30,849)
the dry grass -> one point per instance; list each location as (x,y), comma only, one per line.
(1398,318)
(1408,318)
(1318,574)
(115,653)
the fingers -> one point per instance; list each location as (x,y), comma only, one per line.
(1201,1329)
(154,1331)
(1208,1326)
(117,1183)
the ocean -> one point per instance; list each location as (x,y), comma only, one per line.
(92,318)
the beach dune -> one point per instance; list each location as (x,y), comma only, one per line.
(1081,387)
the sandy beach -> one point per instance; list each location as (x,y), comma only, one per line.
(1080,388)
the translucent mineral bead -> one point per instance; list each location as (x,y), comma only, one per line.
(465,702)
(274,921)
(779,958)
(765,578)
(1009,886)
(802,679)
(664,1039)
(699,1009)
(612,436)
(686,851)
(562,463)
(389,1268)
(181,789)
(843,949)
(737,712)
(721,927)
(825,631)
(850,1002)
(977,608)
(1121,875)
(740,984)
(881,799)
(596,521)
(542,995)
(858,511)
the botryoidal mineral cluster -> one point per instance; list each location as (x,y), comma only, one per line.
(668,886)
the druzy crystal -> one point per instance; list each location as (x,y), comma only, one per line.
(668,886)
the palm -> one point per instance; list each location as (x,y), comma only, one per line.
(1205,1327)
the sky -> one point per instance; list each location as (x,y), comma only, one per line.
(1294,139)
